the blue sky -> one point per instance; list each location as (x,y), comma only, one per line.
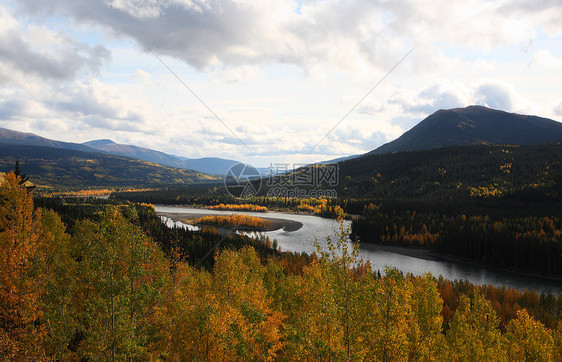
(280,74)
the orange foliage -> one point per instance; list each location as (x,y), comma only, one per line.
(241,207)
(235,220)
(20,230)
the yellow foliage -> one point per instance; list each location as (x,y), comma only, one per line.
(235,220)
(241,207)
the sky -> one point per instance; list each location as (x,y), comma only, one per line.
(269,81)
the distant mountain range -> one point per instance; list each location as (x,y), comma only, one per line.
(55,166)
(20,138)
(474,125)
(207,165)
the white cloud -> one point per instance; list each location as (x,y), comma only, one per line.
(558,109)
(279,78)
(544,59)
(499,95)
(40,51)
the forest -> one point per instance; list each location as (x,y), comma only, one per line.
(529,243)
(496,205)
(91,279)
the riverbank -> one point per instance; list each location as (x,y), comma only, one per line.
(418,253)
(427,254)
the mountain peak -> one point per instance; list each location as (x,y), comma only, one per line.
(101,142)
(474,125)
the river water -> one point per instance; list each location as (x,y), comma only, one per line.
(317,228)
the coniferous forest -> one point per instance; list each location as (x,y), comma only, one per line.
(91,280)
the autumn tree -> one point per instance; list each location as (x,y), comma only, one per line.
(120,275)
(474,333)
(20,334)
(529,340)
(426,339)
(57,279)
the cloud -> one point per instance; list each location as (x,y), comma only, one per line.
(496,95)
(433,98)
(558,109)
(40,51)
(491,93)
(236,33)
(355,36)
(280,77)
(11,108)
(545,12)
(545,59)
(142,76)
(237,74)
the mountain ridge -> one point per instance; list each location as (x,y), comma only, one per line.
(208,165)
(8,136)
(474,125)
(52,166)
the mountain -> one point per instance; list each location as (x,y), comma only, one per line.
(10,137)
(458,175)
(141,153)
(208,165)
(474,125)
(51,166)
(337,160)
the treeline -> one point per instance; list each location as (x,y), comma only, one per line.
(532,244)
(506,302)
(109,292)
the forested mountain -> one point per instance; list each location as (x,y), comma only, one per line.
(209,165)
(64,167)
(141,153)
(463,173)
(20,138)
(494,205)
(474,125)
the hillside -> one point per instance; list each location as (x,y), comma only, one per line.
(208,165)
(132,151)
(474,125)
(20,138)
(530,173)
(49,166)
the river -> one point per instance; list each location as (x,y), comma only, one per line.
(317,228)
